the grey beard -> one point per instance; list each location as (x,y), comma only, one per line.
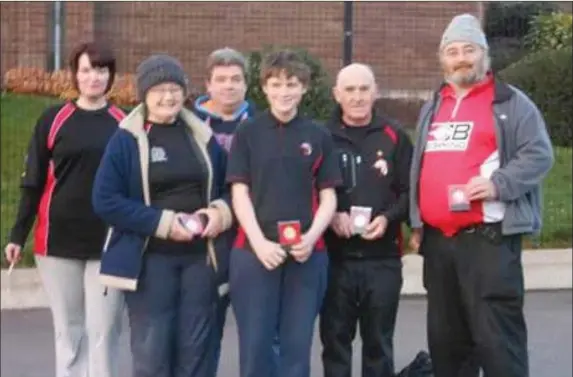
(466,80)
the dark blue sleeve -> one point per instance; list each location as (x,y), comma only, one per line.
(110,195)
(238,169)
(219,161)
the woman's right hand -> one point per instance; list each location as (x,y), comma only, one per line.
(13,253)
(178,232)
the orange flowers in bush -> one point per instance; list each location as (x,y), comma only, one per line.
(59,84)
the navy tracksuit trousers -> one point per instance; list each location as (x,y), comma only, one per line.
(289,299)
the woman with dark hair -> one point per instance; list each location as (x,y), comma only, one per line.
(161,187)
(63,155)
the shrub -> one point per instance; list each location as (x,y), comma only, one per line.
(506,25)
(316,103)
(550,31)
(59,84)
(404,110)
(505,51)
(547,78)
(512,19)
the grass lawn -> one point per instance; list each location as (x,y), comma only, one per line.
(19,113)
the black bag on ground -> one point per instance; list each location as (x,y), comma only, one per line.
(421,366)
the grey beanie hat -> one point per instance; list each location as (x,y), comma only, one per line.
(158,69)
(464,28)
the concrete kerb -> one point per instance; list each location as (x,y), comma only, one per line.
(550,269)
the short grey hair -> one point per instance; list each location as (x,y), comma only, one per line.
(226,57)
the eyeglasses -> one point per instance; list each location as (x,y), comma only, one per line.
(174,91)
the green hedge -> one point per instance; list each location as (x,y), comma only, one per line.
(512,19)
(550,31)
(506,25)
(547,77)
(316,103)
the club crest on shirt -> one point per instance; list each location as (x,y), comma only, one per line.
(306,149)
(158,154)
(380,164)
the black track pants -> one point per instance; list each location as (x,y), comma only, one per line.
(366,292)
(475,295)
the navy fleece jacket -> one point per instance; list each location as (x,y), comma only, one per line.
(121,197)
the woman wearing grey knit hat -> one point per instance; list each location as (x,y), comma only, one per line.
(160,187)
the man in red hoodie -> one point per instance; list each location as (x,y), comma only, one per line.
(479,160)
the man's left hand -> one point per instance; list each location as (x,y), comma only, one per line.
(376,228)
(302,250)
(480,188)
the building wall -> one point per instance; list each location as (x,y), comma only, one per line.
(399,39)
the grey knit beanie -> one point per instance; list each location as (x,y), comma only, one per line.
(158,69)
(464,28)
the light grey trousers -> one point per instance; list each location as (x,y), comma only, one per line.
(87,323)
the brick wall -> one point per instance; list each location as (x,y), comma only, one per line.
(399,39)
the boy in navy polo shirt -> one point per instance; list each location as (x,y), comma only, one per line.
(283,171)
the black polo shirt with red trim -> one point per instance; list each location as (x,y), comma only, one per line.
(63,157)
(285,166)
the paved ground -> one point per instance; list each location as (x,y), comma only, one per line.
(27,351)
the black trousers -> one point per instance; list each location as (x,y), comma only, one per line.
(367,292)
(474,284)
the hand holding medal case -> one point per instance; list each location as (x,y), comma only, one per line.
(360,218)
(289,233)
(194,223)
(457,199)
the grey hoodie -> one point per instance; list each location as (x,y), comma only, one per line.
(526,155)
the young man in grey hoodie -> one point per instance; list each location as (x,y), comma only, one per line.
(481,153)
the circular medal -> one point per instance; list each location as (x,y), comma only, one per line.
(458,196)
(289,233)
(360,221)
(192,225)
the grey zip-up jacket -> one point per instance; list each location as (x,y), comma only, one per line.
(526,156)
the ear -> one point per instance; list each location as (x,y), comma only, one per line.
(264,88)
(336,94)
(377,93)
(304,90)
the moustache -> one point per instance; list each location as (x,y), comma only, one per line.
(458,67)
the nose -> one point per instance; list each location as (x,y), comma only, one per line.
(169,95)
(355,96)
(93,75)
(283,90)
(462,59)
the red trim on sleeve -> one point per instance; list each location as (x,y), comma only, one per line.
(65,112)
(116,113)
(391,133)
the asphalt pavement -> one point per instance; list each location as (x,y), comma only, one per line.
(27,339)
